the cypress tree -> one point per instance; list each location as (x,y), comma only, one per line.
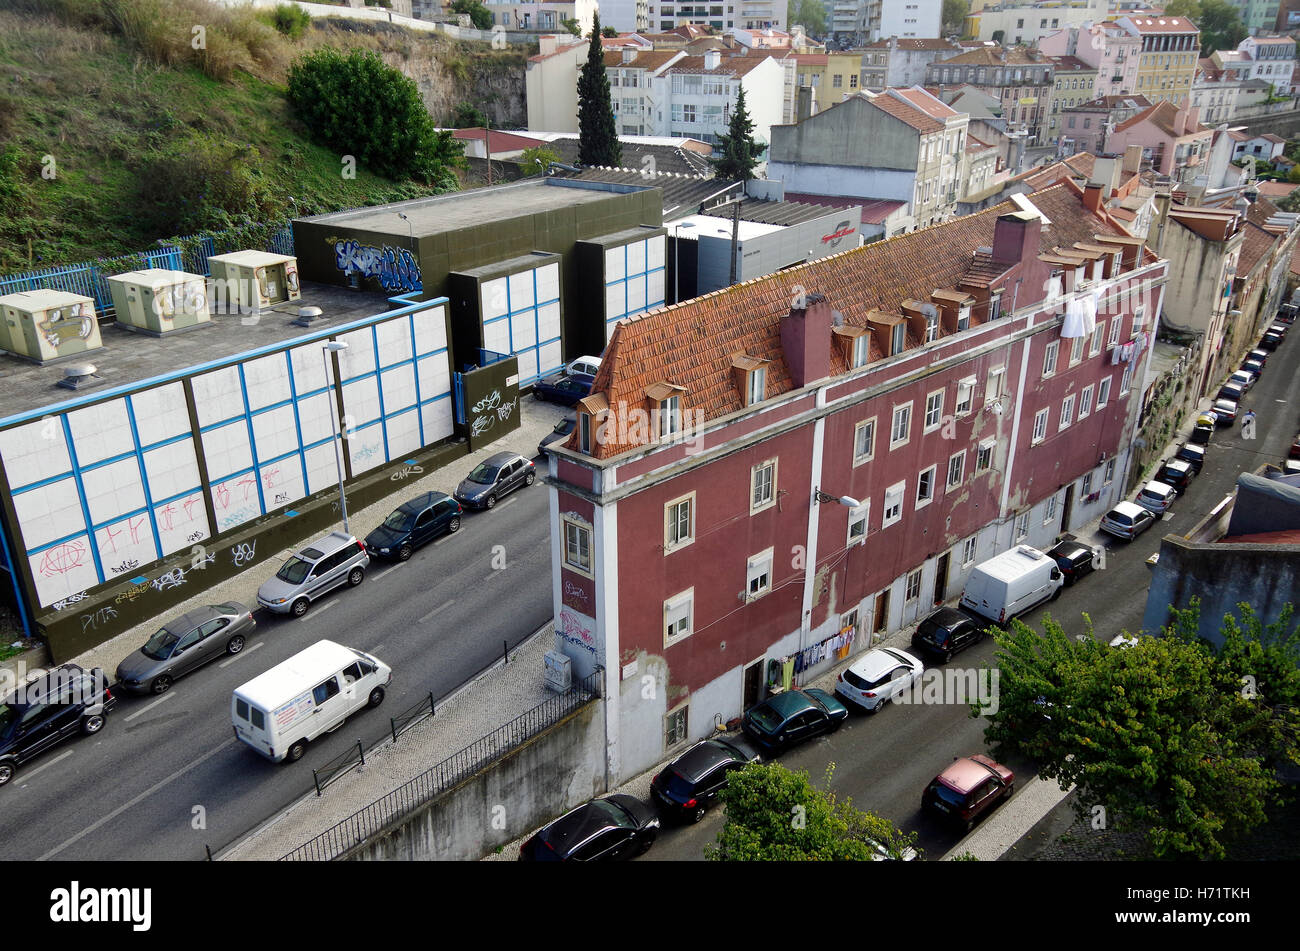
(740,153)
(597,135)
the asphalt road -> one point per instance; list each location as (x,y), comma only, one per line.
(139,788)
(884,761)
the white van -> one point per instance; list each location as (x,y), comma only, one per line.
(1012,583)
(279,712)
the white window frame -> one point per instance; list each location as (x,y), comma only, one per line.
(969,550)
(1085,402)
(1109,475)
(861,350)
(912,586)
(672,520)
(869,426)
(1103,392)
(993,387)
(933,411)
(927,475)
(906,410)
(763,505)
(1040,427)
(1085,484)
(1076,349)
(1050,356)
(584,433)
(895,492)
(677,723)
(1049,510)
(898,339)
(580,528)
(670,417)
(965,396)
(758,569)
(1116,323)
(1126,380)
(757,386)
(984,455)
(931,328)
(1022,526)
(959,458)
(671,607)
(1067,413)
(858,524)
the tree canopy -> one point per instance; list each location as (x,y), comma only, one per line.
(809,14)
(953,18)
(1171,734)
(776,815)
(597,133)
(479,14)
(741,153)
(1219,21)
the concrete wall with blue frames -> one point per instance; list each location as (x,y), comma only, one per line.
(106,484)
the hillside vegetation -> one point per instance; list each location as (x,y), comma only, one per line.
(116,131)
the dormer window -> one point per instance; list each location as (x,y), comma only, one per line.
(1055,284)
(861,350)
(963,318)
(757,386)
(750,377)
(1080,276)
(1098,269)
(931,328)
(1117,263)
(897,339)
(584,433)
(995,305)
(670,417)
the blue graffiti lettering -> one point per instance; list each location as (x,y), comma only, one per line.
(394,268)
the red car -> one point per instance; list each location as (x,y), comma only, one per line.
(968,789)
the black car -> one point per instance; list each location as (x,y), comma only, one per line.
(413,523)
(1260,354)
(496,476)
(690,783)
(616,827)
(558,434)
(1194,456)
(1254,366)
(563,388)
(48,709)
(791,717)
(1074,559)
(1176,473)
(1270,341)
(945,632)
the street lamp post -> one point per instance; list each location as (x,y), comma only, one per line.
(336,346)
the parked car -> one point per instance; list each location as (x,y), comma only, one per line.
(1243,379)
(1177,474)
(588,365)
(1225,412)
(313,572)
(1260,354)
(1231,392)
(185,644)
(968,789)
(1270,341)
(497,476)
(616,827)
(789,718)
(876,677)
(1291,466)
(945,632)
(1127,520)
(1075,560)
(1011,583)
(1193,455)
(48,709)
(412,524)
(1203,430)
(1156,497)
(1294,451)
(688,785)
(563,388)
(1251,365)
(1280,328)
(558,434)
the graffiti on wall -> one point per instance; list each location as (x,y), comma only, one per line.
(394,268)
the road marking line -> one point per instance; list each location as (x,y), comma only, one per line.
(163,699)
(435,611)
(325,607)
(244,652)
(28,774)
(131,802)
(497,573)
(384,574)
(377,647)
(510,501)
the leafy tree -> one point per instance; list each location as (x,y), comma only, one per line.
(810,14)
(740,153)
(597,134)
(572,26)
(1221,26)
(1184,8)
(1172,735)
(356,105)
(1293,176)
(609,32)
(954,16)
(776,815)
(290,19)
(536,160)
(479,15)
(469,116)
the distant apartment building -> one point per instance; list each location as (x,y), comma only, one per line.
(1167,57)
(694,95)
(541,15)
(626,16)
(1257,16)
(720,15)
(551,84)
(902,61)
(831,76)
(1216,92)
(1018,24)
(1084,127)
(1271,59)
(902,144)
(1174,143)
(1021,79)
(863,20)
(1073,84)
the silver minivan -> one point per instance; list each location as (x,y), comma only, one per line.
(313,572)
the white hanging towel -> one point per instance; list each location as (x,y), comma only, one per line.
(1074,319)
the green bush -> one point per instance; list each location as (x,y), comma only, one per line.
(201,182)
(356,105)
(479,15)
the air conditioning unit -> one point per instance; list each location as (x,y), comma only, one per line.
(48,325)
(156,301)
(247,281)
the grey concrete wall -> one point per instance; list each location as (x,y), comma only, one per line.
(544,778)
(1264,576)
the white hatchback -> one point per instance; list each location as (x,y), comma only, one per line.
(1156,497)
(878,676)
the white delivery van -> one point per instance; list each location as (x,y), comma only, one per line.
(279,712)
(1011,583)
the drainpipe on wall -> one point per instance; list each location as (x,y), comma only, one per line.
(810,552)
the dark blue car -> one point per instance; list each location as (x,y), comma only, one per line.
(789,718)
(413,523)
(563,388)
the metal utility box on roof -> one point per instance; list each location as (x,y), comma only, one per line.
(253,279)
(47,325)
(158,301)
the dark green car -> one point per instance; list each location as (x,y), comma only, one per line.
(789,718)
(413,523)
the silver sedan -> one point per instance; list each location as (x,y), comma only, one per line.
(185,644)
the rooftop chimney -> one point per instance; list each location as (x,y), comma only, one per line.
(712,58)
(1132,159)
(1093,194)
(806,340)
(1017,236)
(629,54)
(547,44)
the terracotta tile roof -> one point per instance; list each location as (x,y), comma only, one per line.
(913,44)
(1072,63)
(907,113)
(644,59)
(928,103)
(1255,247)
(1276,190)
(692,344)
(1079,165)
(811,59)
(1107,103)
(1162,116)
(993,56)
(874,210)
(1162,24)
(1273,40)
(1270,137)
(727,65)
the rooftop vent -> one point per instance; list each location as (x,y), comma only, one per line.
(308,316)
(80,376)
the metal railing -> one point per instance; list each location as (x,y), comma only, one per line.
(339,765)
(353,831)
(411,716)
